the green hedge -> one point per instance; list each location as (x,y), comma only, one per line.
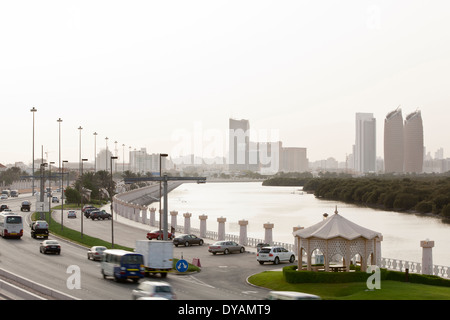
(291,275)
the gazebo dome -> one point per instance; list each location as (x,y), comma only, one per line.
(337,235)
(336,226)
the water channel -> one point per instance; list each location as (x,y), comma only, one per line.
(287,207)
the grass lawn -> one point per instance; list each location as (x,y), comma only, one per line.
(390,290)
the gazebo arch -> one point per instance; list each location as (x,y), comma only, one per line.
(337,235)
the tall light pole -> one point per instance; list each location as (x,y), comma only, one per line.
(112,210)
(123,158)
(33,110)
(62,193)
(59,161)
(50,189)
(80,128)
(95,151)
(160,195)
(81,193)
(106,155)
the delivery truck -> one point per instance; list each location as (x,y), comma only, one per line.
(158,256)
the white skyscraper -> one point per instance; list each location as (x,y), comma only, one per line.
(365,143)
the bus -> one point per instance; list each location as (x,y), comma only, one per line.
(122,265)
(11,225)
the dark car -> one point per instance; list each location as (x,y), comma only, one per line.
(87,211)
(4,207)
(99,214)
(187,240)
(158,234)
(26,206)
(50,246)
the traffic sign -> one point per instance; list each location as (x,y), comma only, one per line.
(181,265)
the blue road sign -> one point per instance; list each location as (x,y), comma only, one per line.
(181,265)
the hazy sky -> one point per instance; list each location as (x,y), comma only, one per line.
(142,72)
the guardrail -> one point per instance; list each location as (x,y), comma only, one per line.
(413,267)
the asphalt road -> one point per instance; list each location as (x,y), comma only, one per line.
(221,278)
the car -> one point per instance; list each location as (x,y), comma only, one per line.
(160,289)
(26,206)
(96,253)
(87,211)
(99,214)
(55,200)
(3,197)
(274,254)
(187,240)
(158,234)
(225,247)
(4,207)
(291,295)
(39,228)
(71,214)
(50,246)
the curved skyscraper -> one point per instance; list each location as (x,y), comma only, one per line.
(394,142)
(413,147)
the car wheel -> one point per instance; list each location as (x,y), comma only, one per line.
(276,261)
(186,244)
(261,262)
(176,245)
(226,251)
(200,243)
(158,238)
(214,253)
(292,259)
(242,250)
(89,258)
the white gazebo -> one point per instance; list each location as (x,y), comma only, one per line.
(337,235)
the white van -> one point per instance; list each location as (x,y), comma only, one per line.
(11,225)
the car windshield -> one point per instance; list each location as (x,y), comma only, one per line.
(51,242)
(265,250)
(163,289)
(100,249)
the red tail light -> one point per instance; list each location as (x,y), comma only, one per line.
(270,255)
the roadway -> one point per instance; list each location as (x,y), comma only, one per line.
(221,278)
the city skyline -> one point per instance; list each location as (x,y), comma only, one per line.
(302,69)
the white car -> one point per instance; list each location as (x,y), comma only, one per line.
(275,255)
(153,289)
(71,214)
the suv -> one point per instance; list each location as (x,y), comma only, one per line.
(87,211)
(275,255)
(39,228)
(99,214)
(26,206)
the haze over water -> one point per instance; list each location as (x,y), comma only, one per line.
(287,207)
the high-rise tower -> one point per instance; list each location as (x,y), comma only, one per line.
(394,142)
(413,147)
(365,144)
(239,145)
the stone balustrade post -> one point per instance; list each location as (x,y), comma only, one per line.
(173,219)
(203,225)
(268,233)
(221,229)
(427,256)
(144,215)
(152,216)
(296,248)
(243,232)
(187,222)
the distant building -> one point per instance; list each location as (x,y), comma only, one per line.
(413,148)
(239,145)
(365,143)
(293,160)
(394,142)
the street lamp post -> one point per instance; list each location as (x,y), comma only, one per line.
(95,151)
(59,161)
(50,189)
(112,210)
(160,213)
(62,193)
(106,154)
(33,110)
(81,194)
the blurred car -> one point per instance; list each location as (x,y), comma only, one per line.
(160,289)
(87,209)
(275,255)
(3,197)
(99,214)
(291,295)
(50,246)
(158,234)
(4,207)
(55,200)
(225,247)
(187,240)
(96,253)
(26,206)
(71,214)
